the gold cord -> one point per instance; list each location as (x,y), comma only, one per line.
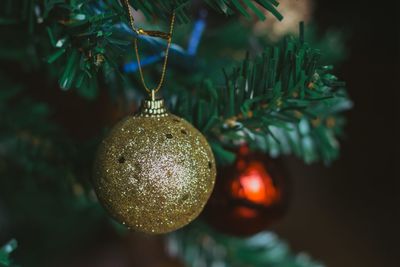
(167,36)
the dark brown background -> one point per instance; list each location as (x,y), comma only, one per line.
(348,215)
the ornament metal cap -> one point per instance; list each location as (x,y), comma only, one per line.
(153,108)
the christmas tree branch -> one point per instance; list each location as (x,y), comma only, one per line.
(86,41)
(197,245)
(282,102)
(228,7)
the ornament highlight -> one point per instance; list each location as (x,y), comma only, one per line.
(154,172)
(249,195)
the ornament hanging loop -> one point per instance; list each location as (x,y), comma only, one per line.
(167,36)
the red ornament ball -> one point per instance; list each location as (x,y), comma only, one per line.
(249,195)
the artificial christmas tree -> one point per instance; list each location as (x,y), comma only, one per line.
(235,87)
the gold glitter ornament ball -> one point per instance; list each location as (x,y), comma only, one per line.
(154,172)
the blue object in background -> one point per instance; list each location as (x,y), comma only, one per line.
(133,66)
(157,45)
(197,32)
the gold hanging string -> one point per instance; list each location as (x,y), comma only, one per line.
(163,35)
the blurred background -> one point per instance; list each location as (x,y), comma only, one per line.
(356,193)
(346,214)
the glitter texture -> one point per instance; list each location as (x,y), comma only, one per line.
(154,172)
